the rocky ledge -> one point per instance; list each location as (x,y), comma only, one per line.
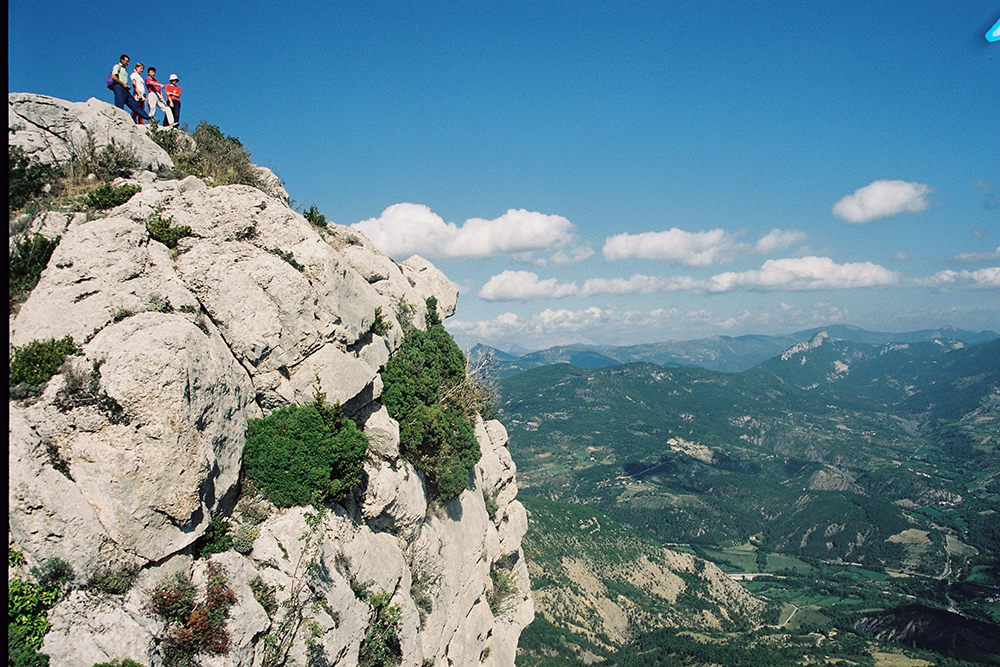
(255,310)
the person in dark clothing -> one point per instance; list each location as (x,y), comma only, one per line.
(123,98)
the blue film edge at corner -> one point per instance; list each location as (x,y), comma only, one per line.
(994,33)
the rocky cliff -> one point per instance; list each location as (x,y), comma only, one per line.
(137,443)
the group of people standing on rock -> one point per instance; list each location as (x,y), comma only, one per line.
(132,91)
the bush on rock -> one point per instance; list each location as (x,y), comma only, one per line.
(426,386)
(304,454)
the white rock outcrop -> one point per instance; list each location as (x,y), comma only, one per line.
(53,131)
(137,442)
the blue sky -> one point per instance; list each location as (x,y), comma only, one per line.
(604,172)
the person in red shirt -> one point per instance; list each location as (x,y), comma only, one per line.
(173,92)
(156,98)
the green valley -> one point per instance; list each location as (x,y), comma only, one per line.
(855,477)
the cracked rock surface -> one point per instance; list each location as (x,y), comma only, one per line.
(137,442)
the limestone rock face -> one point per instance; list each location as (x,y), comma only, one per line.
(137,442)
(53,130)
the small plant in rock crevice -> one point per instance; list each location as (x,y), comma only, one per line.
(26,261)
(193,629)
(216,539)
(162,230)
(381,326)
(314,217)
(36,362)
(420,593)
(109,196)
(80,389)
(117,580)
(381,646)
(285,627)
(504,588)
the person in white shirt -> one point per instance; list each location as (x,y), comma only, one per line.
(139,90)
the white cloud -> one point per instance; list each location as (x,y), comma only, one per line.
(790,274)
(983,278)
(803,273)
(612,326)
(716,246)
(522,286)
(978,256)
(406,229)
(674,245)
(637,284)
(882,199)
(779,239)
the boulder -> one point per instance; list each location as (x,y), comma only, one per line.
(54,131)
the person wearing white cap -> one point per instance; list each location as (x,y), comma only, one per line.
(173,92)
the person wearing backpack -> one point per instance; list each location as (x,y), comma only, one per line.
(117,82)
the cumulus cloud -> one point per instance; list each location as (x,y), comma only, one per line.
(674,245)
(779,239)
(988,278)
(615,326)
(803,273)
(716,246)
(882,199)
(791,274)
(522,286)
(406,229)
(978,256)
(637,284)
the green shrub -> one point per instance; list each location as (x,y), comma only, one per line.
(124,662)
(28,259)
(114,580)
(216,540)
(491,504)
(53,573)
(265,595)
(314,217)
(25,177)
(108,196)
(421,381)
(173,598)
(36,362)
(160,229)
(168,140)
(504,587)
(380,326)
(112,161)
(381,647)
(193,629)
(221,158)
(295,457)
(27,608)
(244,539)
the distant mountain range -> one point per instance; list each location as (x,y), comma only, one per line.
(718,353)
(825,450)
